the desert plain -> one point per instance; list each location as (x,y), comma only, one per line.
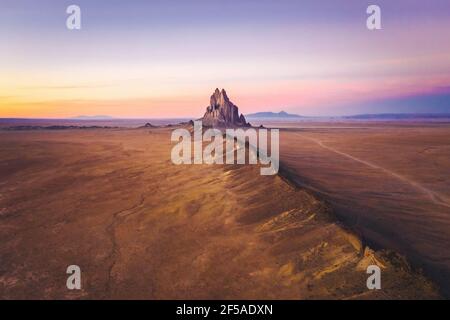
(112,202)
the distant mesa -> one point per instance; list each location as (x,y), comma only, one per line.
(221,112)
(54,127)
(281,114)
(148,125)
(96,117)
(399,116)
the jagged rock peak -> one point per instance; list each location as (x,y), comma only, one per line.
(221,112)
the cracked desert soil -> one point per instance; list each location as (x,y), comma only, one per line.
(141,227)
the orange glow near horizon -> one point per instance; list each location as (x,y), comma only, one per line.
(300,96)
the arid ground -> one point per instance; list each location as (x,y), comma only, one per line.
(112,202)
(389,182)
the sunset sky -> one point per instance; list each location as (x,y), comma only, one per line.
(165,58)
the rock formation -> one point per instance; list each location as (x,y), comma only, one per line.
(221,112)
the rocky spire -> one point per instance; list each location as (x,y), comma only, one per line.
(221,112)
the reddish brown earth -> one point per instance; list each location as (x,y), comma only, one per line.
(387,181)
(140,227)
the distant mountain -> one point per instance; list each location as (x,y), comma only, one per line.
(97,117)
(281,114)
(399,116)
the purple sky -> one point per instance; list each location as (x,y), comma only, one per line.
(164,58)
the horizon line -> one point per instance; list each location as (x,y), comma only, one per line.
(106,117)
